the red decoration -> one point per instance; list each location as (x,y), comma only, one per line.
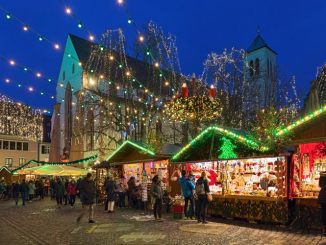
(212,91)
(184,90)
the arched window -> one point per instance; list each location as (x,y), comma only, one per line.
(251,68)
(257,66)
(68,117)
(73,68)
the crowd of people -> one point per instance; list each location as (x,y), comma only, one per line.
(118,191)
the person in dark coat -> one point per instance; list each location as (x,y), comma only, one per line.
(41,189)
(187,187)
(322,201)
(15,191)
(59,191)
(157,194)
(111,188)
(87,191)
(131,190)
(24,191)
(202,188)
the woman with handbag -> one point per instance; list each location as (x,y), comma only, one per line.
(157,194)
(202,192)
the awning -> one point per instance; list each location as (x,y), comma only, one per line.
(53,170)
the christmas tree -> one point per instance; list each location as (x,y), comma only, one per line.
(227,149)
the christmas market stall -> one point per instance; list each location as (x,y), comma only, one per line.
(135,159)
(244,182)
(5,174)
(308,138)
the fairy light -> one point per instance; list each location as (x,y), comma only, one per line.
(8,16)
(91,37)
(12,62)
(7,80)
(80,25)
(25,27)
(129,21)
(157,64)
(30,89)
(38,74)
(56,46)
(40,38)
(68,10)
(111,57)
(141,38)
(120,2)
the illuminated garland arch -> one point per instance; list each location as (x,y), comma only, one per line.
(250,143)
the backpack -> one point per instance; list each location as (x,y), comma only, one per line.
(200,189)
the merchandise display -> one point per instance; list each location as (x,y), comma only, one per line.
(264,177)
(307,165)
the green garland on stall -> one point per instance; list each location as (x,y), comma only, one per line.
(80,161)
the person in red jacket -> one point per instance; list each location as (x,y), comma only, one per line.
(72,192)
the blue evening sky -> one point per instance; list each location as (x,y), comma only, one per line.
(295,29)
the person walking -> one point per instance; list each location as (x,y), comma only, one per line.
(59,191)
(322,201)
(52,186)
(15,191)
(24,191)
(157,194)
(41,189)
(87,192)
(65,195)
(31,190)
(187,187)
(202,188)
(72,192)
(111,189)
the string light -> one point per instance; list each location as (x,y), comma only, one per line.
(56,46)
(25,27)
(8,16)
(91,37)
(129,21)
(157,64)
(80,25)
(12,62)
(141,38)
(40,38)
(38,74)
(7,80)
(30,89)
(68,10)
(120,2)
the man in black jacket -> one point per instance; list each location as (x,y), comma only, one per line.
(87,192)
(24,191)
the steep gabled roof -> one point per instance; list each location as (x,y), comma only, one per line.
(217,130)
(83,47)
(258,43)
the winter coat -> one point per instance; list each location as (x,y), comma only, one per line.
(201,181)
(15,189)
(31,188)
(24,188)
(322,195)
(110,189)
(157,190)
(59,189)
(72,189)
(87,191)
(187,186)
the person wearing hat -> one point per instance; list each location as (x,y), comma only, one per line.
(87,191)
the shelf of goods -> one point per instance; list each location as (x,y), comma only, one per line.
(254,189)
(307,165)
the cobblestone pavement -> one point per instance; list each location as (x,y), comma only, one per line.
(40,222)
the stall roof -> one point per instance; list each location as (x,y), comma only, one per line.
(310,128)
(5,168)
(54,170)
(131,152)
(218,130)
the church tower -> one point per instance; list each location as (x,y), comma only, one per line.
(261,72)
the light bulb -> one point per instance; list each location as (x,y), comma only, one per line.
(129,21)
(80,25)
(157,64)
(56,46)
(12,62)
(38,74)
(25,28)
(141,38)
(40,38)
(8,16)
(68,10)
(30,89)
(91,37)
(7,80)
(120,2)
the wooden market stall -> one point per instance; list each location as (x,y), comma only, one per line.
(244,182)
(308,138)
(135,159)
(6,175)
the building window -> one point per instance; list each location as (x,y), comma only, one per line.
(21,161)
(25,146)
(5,145)
(45,149)
(73,68)
(251,68)
(257,67)
(19,146)
(0,144)
(12,145)
(63,75)
(8,162)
